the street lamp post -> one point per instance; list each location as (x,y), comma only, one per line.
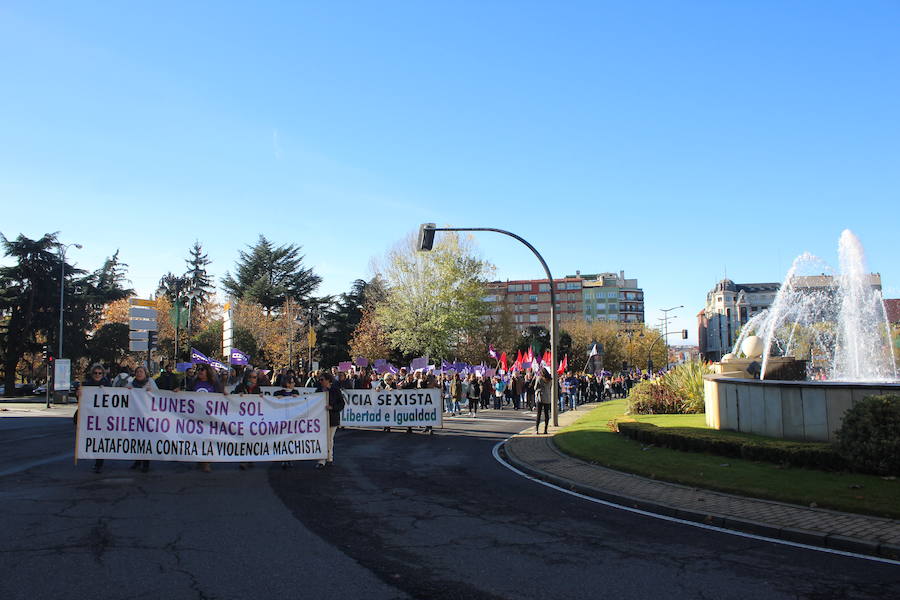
(665,320)
(62,287)
(426,240)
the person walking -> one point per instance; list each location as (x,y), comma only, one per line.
(205,380)
(455,394)
(542,395)
(96,378)
(334,404)
(141,381)
(473,396)
(499,391)
(167,380)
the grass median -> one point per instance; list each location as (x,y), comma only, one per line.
(591,439)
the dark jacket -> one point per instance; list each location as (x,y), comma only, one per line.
(335,398)
(167,381)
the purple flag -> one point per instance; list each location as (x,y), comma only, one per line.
(418,363)
(238,357)
(445,366)
(345,366)
(182,367)
(491,352)
(392,369)
(459,366)
(198,357)
(217,365)
(362,362)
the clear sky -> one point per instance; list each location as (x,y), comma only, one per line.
(675,140)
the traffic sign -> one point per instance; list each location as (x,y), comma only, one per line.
(143,325)
(138,335)
(137,345)
(142,312)
(142,302)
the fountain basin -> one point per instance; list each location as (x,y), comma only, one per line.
(810,411)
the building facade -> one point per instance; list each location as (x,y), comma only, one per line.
(603,297)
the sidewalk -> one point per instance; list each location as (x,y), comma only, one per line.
(539,457)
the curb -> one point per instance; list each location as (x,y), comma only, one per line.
(831,541)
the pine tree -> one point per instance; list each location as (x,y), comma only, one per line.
(197,277)
(269,275)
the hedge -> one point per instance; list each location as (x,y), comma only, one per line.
(784,452)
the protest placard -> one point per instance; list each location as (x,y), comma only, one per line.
(392,408)
(135,424)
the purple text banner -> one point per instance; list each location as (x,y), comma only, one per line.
(135,424)
(392,408)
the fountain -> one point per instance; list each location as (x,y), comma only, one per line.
(824,343)
(837,323)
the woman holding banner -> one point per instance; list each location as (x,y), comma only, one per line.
(334,403)
(96,378)
(141,381)
(205,380)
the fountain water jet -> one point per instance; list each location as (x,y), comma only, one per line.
(838,323)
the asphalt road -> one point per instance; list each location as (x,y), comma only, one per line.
(398,515)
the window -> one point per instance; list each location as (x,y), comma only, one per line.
(532,298)
(573,285)
(520,318)
(532,318)
(490,299)
(544,287)
(520,298)
(533,308)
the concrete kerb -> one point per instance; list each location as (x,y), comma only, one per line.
(791,534)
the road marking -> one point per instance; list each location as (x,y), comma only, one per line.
(35,463)
(496,453)
(486,420)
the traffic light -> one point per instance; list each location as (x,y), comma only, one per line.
(684,334)
(426,236)
(44,352)
(152,339)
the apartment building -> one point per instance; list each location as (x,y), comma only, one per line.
(603,296)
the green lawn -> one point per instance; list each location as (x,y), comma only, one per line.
(591,439)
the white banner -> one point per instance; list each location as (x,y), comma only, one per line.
(134,424)
(392,408)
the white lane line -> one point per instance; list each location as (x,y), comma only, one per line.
(34,463)
(486,420)
(496,453)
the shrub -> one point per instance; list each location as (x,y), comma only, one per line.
(869,437)
(797,454)
(680,391)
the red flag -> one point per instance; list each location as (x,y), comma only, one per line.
(563,365)
(547,358)
(519,357)
(530,356)
(503,361)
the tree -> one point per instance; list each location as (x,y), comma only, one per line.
(29,299)
(197,277)
(341,319)
(200,283)
(269,275)
(109,344)
(620,343)
(369,340)
(435,300)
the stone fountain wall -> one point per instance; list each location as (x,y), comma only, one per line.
(809,411)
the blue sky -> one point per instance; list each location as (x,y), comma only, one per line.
(674,140)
